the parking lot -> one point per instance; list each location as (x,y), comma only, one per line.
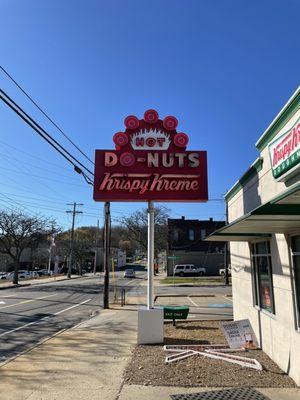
(207,306)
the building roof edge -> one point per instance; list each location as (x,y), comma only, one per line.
(254,168)
(291,106)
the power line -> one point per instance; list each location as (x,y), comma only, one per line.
(15,202)
(30,190)
(45,114)
(8,156)
(31,155)
(44,208)
(41,177)
(57,201)
(46,136)
(49,199)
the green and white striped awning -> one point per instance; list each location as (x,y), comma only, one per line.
(279,215)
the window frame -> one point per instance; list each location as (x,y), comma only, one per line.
(256,276)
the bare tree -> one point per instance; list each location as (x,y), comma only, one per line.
(137,224)
(19,231)
(83,247)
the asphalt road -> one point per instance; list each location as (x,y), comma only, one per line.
(34,313)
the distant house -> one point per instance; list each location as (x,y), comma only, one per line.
(186,244)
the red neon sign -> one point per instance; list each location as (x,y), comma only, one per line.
(150,162)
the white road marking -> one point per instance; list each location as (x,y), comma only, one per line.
(69,308)
(129,283)
(29,301)
(2,302)
(227,298)
(44,318)
(196,305)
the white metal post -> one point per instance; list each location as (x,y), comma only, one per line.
(50,259)
(150,254)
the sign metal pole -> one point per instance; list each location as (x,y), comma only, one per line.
(150,254)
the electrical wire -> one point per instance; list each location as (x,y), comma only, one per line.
(15,202)
(45,135)
(9,157)
(40,177)
(35,157)
(44,113)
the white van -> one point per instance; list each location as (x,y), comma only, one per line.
(188,270)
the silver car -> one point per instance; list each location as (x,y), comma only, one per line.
(129,273)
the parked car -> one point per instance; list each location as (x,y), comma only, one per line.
(222,271)
(129,273)
(23,274)
(44,272)
(189,270)
(8,276)
(34,274)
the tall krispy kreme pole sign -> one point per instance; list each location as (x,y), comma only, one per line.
(285,153)
(150,162)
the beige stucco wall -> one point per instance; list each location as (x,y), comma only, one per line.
(277,333)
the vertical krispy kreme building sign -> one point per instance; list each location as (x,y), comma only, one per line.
(285,152)
(150,162)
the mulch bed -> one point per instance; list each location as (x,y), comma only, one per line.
(148,367)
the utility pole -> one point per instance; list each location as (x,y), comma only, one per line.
(52,244)
(74,213)
(96,245)
(106,246)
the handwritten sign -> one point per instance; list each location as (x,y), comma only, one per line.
(239,334)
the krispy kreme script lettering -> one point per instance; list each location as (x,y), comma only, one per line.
(287,146)
(141,183)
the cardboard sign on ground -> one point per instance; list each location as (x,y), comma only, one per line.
(239,334)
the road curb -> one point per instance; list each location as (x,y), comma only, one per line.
(41,283)
(187,285)
(42,341)
(14,286)
(183,295)
(32,347)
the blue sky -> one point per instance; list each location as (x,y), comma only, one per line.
(223,68)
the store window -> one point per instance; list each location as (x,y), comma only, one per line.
(191,234)
(296,265)
(262,276)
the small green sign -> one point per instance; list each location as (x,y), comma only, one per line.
(176,312)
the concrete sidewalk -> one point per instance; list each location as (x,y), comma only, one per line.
(37,281)
(87,362)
